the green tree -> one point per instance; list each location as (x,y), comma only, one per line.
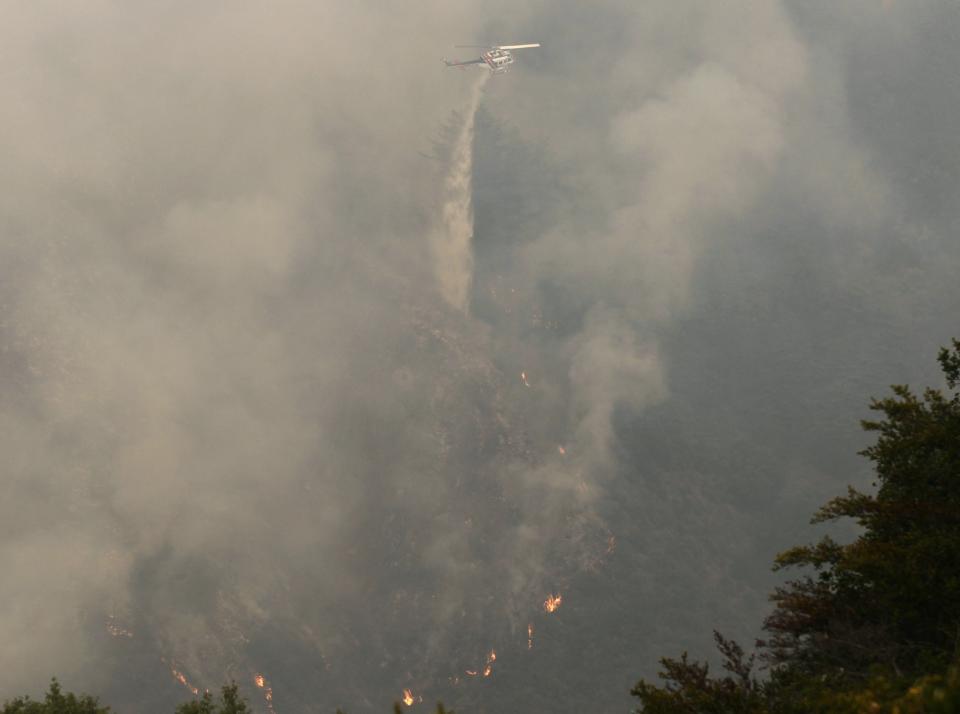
(689,688)
(890,599)
(56,702)
(873,625)
(930,694)
(230,703)
(397,709)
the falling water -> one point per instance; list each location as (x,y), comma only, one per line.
(452,251)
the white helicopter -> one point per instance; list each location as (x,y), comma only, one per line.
(496,57)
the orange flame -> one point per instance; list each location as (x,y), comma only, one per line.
(563,452)
(471,672)
(261,683)
(491,658)
(408,697)
(552,603)
(523,378)
(180,677)
(530,636)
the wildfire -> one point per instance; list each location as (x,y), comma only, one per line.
(488,667)
(116,630)
(523,378)
(530,636)
(563,452)
(261,683)
(471,672)
(552,603)
(408,697)
(180,677)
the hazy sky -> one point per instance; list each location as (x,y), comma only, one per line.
(243,420)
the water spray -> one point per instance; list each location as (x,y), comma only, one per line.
(452,241)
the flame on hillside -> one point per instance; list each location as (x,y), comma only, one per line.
(116,630)
(530,636)
(488,667)
(261,683)
(408,697)
(182,678)
(552,603)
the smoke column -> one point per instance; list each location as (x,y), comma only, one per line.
(452,254)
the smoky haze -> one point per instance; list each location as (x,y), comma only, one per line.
(254,422)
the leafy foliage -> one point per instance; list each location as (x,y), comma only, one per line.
(931,694)
(690,689)
(230,703)
(863,629)
(398,709)
(56,702)
(891,598)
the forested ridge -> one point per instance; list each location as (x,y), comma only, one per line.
(868,626)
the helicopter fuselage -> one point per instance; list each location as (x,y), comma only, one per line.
(497,60)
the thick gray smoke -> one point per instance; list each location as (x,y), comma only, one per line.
(324,363)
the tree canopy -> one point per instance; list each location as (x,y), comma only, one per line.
(873,625)
(230,703)
(55,702)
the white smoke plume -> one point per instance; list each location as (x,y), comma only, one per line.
(452,252)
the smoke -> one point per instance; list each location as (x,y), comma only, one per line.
(283,397)
(451,244)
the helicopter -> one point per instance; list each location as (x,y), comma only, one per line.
(496,57)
